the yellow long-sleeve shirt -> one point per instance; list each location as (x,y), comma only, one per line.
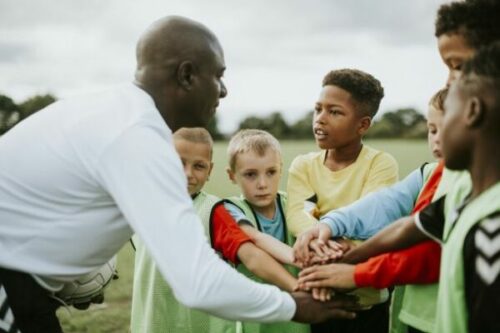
(309,177)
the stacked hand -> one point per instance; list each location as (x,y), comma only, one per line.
(314,249)
(315,246)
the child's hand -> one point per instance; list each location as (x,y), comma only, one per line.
(324,252)
(345,244)
(320,232)
(337,276)
(322,294)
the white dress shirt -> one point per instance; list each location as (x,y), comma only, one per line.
(78,178)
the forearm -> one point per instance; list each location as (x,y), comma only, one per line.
(280,251)
(418,264)
(401,234)
(264,266)
(368,215)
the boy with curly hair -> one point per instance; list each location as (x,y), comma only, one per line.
(343,171)
(461,28)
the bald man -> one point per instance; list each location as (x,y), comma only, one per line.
(78,178)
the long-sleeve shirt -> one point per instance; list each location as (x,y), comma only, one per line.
(365,217)
(308,178)
(416,264)
(79,177)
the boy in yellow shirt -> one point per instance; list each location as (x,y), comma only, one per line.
(343,171)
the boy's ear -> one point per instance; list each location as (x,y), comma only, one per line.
(230,174)
(364,124)
(475,112)
(185,74)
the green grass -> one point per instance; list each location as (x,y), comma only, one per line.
(113,316)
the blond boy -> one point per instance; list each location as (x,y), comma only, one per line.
(154,307)
(255,165)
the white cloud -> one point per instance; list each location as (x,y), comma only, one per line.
(276,51)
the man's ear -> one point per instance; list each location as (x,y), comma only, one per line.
(364,124)
(231,176)
(185,74)
(475,113)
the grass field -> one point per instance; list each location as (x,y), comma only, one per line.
(113,316)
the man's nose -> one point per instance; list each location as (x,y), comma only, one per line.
(223,90)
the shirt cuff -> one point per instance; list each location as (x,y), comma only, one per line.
(362,276)
(330,222)
(289,307)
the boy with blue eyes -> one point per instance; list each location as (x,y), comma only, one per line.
(255,165)
(342,172)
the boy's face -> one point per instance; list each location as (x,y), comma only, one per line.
(258,177)
(197,162)
(454,51)
(454,138)
(336,122)
(434,126)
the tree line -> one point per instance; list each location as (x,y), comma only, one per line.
(405,123)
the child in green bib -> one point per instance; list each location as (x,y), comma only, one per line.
(467,220)
(255,166)
(154,306)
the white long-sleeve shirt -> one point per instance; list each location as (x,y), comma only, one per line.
(79,177)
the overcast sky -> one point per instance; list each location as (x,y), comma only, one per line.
(276,51)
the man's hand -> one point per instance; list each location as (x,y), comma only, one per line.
(301,249)
(336,276)
(313,311)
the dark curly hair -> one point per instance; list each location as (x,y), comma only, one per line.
(485,64)
(363,87)
(477,20)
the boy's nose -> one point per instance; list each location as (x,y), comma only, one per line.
(188,171)
(262,183)
(320,117)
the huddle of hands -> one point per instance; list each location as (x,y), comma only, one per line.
(319,257)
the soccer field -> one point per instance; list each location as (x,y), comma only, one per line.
(113,315)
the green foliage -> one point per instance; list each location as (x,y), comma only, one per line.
(403,123)
(302,129)
(274,124)
(213,129)
(34,104)
(11,113)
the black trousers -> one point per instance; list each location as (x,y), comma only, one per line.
(33,309)
(375,320)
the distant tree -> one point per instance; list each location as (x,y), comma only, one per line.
(402,123)
(274,124)
(251,122)
(302,129)
(34,104)
(9,113)
(213,129)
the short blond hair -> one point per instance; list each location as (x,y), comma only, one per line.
(437,100)
(254,140)
(195,135)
